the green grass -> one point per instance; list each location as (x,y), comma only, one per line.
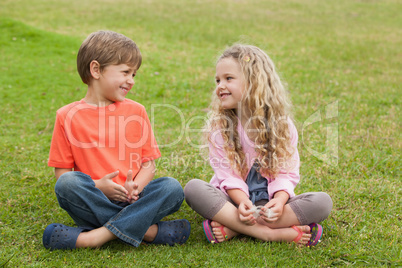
(340,53)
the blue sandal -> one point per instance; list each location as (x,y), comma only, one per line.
(60,236)
(172,232)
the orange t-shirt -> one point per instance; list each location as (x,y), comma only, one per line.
(100,140)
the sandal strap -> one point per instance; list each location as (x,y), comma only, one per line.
(223,232)
(206,225)
(300,233)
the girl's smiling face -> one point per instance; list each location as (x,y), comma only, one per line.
(230,83)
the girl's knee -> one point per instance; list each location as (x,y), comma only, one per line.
(325,203)
(193,189)
(312,207)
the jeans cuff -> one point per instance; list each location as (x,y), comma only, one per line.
(122,236)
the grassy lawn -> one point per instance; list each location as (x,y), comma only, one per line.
(340,59)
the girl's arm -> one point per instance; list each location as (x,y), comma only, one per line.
(237,196)
(281,197)
(225,178)
(288,176)
(244,205)
(276,205)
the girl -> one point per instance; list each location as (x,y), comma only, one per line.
(253,152)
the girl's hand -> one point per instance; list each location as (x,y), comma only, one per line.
(131,187)
(276,207)
(112,190)
(245,213)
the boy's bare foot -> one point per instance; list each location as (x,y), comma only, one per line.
(151,233)
(94,238)
(217,230)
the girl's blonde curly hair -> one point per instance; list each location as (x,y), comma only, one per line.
(266,101)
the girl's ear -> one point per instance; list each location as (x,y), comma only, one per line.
(94,68)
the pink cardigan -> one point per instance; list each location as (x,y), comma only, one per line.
(225,178)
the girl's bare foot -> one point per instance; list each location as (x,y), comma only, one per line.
(305,236)
(217,230)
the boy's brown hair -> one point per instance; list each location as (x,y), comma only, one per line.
(107,48)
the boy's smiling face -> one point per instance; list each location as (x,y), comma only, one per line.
(111,84)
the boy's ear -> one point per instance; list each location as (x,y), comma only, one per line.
(95,69)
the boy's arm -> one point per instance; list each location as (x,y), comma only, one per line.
(145,175)
(60,171)
(110,189)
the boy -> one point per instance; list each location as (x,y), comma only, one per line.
(103,151)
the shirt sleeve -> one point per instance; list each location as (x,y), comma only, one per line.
(150,150)
(225,178)
(60,155)
(289,176)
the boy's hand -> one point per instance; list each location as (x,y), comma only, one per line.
(276,207)
(131,187)
(112,190)
(245,213)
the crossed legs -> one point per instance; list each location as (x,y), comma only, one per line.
(228,217)
(213,204)
(132,223)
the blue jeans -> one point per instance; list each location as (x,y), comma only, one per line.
(88,206)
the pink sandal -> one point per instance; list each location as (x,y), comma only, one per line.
(206,225)
(316,231)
